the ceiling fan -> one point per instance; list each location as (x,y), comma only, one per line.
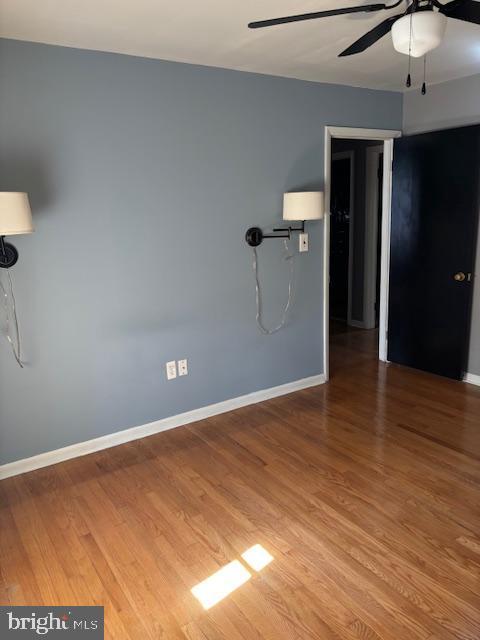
(415,32)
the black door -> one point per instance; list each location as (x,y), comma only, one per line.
(339,238)
(435,205)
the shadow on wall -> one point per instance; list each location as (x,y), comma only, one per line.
(27,173)
(296,181)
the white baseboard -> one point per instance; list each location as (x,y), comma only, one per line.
(472,378)
(127,435)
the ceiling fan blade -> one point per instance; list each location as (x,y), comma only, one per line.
(317,14)
(466,10)
(371,37)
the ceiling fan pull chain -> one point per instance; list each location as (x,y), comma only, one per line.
(424,85)
(409,76)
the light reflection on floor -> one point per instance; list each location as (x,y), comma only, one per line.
(224,581)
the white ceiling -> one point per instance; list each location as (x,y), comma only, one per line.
(214,33)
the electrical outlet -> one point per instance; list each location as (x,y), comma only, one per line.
(171,368)
(183,367)
(303,242)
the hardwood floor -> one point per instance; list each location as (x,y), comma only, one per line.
(365,491)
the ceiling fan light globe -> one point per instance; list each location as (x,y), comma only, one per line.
(427,29)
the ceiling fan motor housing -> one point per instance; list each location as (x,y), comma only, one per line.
(418,33)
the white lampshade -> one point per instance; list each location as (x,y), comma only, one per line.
(425,29)
(15,213)
(303,205)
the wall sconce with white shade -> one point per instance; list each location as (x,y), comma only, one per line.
(15,219)
(298,206)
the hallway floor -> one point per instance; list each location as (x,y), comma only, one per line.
(365,491)
(351,346)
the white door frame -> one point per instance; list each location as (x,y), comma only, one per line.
(371,235)
(349,155)
(387,136)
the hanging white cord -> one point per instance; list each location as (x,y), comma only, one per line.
(258,296)
(15,343)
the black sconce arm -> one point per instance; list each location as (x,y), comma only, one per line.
(255,235)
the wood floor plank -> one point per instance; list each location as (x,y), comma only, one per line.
(365,491)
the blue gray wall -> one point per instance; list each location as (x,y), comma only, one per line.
(143,177)
(447,105)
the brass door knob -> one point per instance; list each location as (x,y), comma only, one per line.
(460,276)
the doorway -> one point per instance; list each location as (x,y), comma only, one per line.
(355,242)
(357,237)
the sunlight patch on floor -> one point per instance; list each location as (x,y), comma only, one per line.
(224,581)
(257,557)
(220,584)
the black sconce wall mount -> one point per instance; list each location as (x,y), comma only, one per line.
(8,254)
